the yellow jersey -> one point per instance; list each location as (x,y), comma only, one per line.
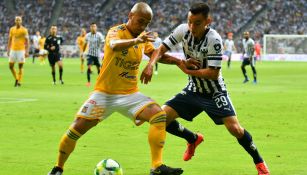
(119,71)
(41,43)
(81,42)
(19,36)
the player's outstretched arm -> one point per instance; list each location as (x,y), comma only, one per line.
(120,44)
(154,56)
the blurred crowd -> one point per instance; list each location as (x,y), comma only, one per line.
(283,17)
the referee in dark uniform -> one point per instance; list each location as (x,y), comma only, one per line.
(52,45)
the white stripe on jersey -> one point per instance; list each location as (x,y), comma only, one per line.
(208,51)
(94,43)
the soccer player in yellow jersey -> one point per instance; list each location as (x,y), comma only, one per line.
(42,52)
(116,91)
(80,42)
(18,48)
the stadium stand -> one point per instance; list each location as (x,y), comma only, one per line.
(273,17)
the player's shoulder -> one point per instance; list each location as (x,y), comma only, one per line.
(118,28)
(182,27)
(214,35)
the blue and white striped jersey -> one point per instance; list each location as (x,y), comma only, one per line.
(208,51)
(94,42)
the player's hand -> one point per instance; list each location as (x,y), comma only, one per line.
(26,54)
(147,74)
(52,48)
(183,66)
(145,38)
(192,63)
(8,53)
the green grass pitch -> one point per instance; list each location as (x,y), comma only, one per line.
(34,117)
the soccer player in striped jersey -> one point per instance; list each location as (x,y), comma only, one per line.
(18,48)
(116,90)
(206,90)
(81,42)
(93,40)
(248,57)
(229,47)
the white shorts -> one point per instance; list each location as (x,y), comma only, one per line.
(17,56)
(101,105)
(43,52)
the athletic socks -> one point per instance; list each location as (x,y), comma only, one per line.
(254,73)
(53,76)
(247,143)
(61,72)
(244,72)
(67,145)
(156,138)
(178,130)
(89,75)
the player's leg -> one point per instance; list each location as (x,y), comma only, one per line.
(60,65)
(90,113)
(246,141)
(12,68)
(229,60)
(68,141)
(97,64)
(254,70)
(20,73)
(156,138)
(82,62)
(185,106)
(90,61)
(53,73)
(244,63)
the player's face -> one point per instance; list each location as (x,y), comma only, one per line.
(139,22)
(198,24)
(83,32)
(93,28)
(246,35)
(53,30)
(18,21)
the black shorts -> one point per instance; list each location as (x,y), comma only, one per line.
(189,104)
(92,60)
(54,58)
(247,61)
(36,51)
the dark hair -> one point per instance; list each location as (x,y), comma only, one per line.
(93,23)
(200,7)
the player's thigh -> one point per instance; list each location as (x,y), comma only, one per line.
(218,107)
(171,114)
(138,107)
(89,60)
(184,105)
(97,107)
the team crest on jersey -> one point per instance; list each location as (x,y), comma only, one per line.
(84,109)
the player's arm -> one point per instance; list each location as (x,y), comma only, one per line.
(27,43)
(47,44)
(120,44)
(208,73)
(9,43)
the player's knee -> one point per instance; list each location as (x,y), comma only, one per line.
(236,130)
(159,117)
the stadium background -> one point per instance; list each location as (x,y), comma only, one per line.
(34,117)
(257,16)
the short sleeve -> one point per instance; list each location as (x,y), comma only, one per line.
(215,48)
(149,47)
(176,36)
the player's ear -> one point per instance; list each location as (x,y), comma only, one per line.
(130,15)
(208,20)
